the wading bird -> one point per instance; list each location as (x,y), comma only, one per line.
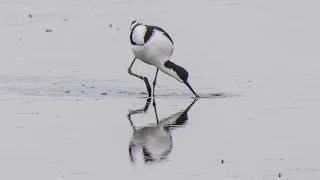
(153,46)
(152,143)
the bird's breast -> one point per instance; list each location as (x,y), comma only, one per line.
(156,49)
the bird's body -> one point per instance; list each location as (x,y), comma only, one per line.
(153,142)
(156,50)
(154,46)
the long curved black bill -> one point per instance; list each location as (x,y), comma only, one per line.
(189,86)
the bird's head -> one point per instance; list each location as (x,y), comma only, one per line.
(179,73)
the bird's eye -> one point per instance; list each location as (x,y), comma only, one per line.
(133,22)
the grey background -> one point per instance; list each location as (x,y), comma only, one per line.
(262,56)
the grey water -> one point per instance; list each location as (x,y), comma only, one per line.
(70,110)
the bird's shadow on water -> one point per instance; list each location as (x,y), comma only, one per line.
(153,142)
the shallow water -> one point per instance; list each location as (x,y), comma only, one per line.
(69,110)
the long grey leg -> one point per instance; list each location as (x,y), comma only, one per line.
(155,109)
(138,111)
(155,81)
(145,79)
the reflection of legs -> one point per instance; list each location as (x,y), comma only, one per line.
(145,79)
(155,81)
(138,111)
(155,109)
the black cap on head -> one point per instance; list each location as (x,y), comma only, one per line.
(133,22)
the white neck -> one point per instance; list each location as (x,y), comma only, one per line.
(169,71)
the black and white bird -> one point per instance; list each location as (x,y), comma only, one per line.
(152,45)
(153,143)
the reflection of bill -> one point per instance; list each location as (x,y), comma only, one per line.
(153,143)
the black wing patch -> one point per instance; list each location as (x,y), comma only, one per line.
(150,31)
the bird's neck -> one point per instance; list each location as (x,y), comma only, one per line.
(168,70)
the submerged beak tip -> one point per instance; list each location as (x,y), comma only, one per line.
(189,86)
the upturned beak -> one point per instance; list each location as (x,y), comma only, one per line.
(189,86)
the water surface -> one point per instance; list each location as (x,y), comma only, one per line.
(69,109)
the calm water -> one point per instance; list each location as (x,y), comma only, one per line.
(69,110)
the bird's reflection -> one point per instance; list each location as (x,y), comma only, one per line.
(153,143)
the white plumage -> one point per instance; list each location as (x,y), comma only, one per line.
(156,50)
(154,46)
(153,143)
